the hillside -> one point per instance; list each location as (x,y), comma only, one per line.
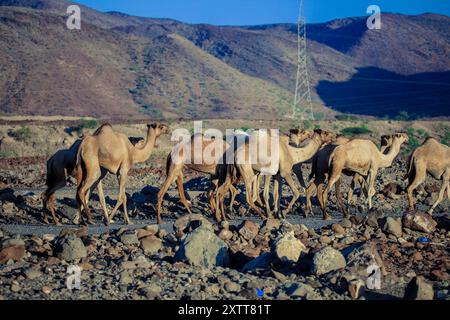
(119,66)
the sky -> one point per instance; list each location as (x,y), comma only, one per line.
(253,12)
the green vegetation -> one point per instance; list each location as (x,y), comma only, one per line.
(352,131)
(7,154)
(346,117)
(307,125)
(446,138)
(87,124)
(22,134)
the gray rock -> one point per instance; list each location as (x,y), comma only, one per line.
(152,291)
(151,245)
(13,242)
(190,222)
(302,290)
(326,260)
(70,248)
(288,248)
(393,226)
(129,239)
(419,289)
(419,221)
(203,248)
(32,274)
(232,287)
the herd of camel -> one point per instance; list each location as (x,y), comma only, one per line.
(106,151)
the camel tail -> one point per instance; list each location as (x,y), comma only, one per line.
(168,163)
(410,173)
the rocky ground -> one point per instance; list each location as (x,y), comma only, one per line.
(193,258)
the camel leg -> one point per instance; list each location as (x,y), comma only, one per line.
(234,192)
(309,191)
(122,198)
(101,195)
(298,172)
(277,183)
(333,178)
(170,179)
(350,191)
(182,194)
(419,177)
(371,186)
(267,180)
(250,198)
(444,186)
(92,175)
(295,193)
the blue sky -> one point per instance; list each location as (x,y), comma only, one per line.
(251,12)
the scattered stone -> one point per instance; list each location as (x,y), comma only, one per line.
(393,226)
(151,292)
(439,275)
(346,223)
(15,288)
(338,229)
(189,222)
(325,240)
(288,248)
(419,221)
(12,252)
(355,288)
(203,248)
(129,239)
(46,290)
(70,248)
(303,290)
(225,234)
(326,260)
(151,245)
(419,289)
(271,224)
(232,287)
(32,274)
(248,230)
(262,262)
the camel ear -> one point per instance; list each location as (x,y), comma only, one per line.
(318,131)
(153,125)
(294,131)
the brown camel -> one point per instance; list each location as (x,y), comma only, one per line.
(319,172)
(178,160)
(362,157)
(288,156)
(433,158)
(113,152)
(59,167)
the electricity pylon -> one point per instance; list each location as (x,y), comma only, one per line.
(302,107)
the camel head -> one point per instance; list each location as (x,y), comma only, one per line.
(158,129)
(325,136)
(402,137)
(297,136)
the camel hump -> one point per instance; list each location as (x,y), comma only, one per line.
(102,127)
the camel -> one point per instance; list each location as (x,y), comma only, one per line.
(362,157)
(215,168)
(433,158)
(232,177)
(114,153)
(288,156)
(59,167)
(319,172)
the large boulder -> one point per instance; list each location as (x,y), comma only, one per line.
(419,289)
(288,248)
(361,257)
(419,221)
(70,248)
(261,262)
(203,248)
(326,260)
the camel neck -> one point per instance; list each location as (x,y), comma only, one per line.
(142,154)
(307,152)
(388,158)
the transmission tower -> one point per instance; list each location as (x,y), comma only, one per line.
(302,102)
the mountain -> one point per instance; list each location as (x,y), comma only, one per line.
(120,66)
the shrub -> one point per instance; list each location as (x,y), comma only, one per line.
(87,124)
(446,138)
(22,134)
(352,131)
(346,117)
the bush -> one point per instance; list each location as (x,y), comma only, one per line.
(22,134)
(446,139)
(87,124)
(346,117)
(352,131)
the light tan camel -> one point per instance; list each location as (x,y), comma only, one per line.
(433,158)
(179,159)
(59,167)
(233,177)
(362,157)
(288,156)
(319,172)
(113,152)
